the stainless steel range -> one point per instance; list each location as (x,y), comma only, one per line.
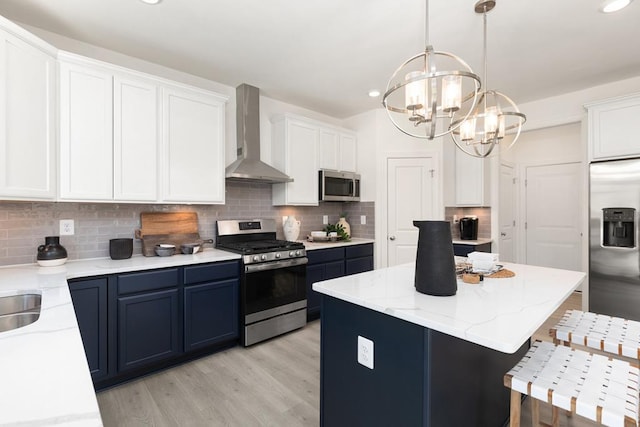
(273,297)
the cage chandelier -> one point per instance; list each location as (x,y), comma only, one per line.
(495,118)
(422,95)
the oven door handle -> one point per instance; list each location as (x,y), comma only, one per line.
(275,265)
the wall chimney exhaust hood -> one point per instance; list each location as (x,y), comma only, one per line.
(248,166)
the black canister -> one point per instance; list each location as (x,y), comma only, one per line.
(435,265)
(120,248)
(51,250)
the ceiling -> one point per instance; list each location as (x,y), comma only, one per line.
(326,55)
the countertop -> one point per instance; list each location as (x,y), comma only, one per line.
(471,242)
(500,314)
(310,246)
(44,376)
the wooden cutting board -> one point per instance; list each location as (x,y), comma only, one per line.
(163,223)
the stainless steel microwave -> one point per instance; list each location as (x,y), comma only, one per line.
(337,186)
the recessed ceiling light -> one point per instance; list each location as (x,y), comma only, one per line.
(150,1)
(374,93)
(610,6)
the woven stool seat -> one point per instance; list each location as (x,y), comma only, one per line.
(602,389)
(611,334)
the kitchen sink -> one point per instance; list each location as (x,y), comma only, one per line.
(20,310)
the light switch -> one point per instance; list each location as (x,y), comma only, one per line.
(363,219)
(325,219)
(365,352)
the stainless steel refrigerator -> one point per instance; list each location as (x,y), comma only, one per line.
(614,258)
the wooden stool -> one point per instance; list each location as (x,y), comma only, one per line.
(602,389)
(611,334)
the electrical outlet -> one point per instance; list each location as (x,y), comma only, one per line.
(66,227)
(363,219)
(365,352)
(325,219)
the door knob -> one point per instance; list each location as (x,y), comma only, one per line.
(503,234)
(392,237)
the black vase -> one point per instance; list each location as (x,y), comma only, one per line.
(435,265)
(51,250)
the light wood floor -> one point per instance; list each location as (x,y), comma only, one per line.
(275,383)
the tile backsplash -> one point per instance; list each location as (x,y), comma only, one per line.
(24,225)
(484,220)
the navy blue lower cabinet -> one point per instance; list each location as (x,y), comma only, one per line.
(89,298)
(461,249)
(149,328)
(210,314)
(420,377)
(359,258)
(324,264)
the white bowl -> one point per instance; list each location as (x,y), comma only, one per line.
(318,234)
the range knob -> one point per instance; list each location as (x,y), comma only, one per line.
(263,257)
(292,254)
(278,255)
(255,258)
(297,253)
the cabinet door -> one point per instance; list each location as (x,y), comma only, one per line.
(315,273)
(86,127)
(613,129)
(149,328)
(27,120)
(135,139)
(328,149)
(210,314)
(90,304)
(298,160)
(471,180)
(348,152)
(193,146)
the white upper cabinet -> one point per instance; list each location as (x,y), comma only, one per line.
(336,149)
(472,180)
(614,128)
(27,116)
(294,152)
(467,179)
(86,133)
(135,139)
(127,136)
(193,146)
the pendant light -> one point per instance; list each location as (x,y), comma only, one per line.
(422,96)
(494,119)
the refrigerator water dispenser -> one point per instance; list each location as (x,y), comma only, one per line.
(618,227)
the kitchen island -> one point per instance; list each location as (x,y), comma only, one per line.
(437,361)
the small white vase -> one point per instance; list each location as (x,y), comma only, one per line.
(291,227)
(347,228)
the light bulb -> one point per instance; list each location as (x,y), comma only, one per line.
(490,122)
(451,93)
(468,129)
(415,93)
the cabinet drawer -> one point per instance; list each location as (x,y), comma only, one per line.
(211,272)
(325,255)
(147,281)
(359,251)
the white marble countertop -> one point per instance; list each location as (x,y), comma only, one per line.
(497,313)
(310,246)
(44,376)
(471,242)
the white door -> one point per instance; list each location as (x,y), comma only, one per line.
(507,212)
(553,216)
(135,140)
(193,146)
(27,120)
(410,194)
(86,133)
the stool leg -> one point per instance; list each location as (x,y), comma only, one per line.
(514,419)
(555,418)
(535,412)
